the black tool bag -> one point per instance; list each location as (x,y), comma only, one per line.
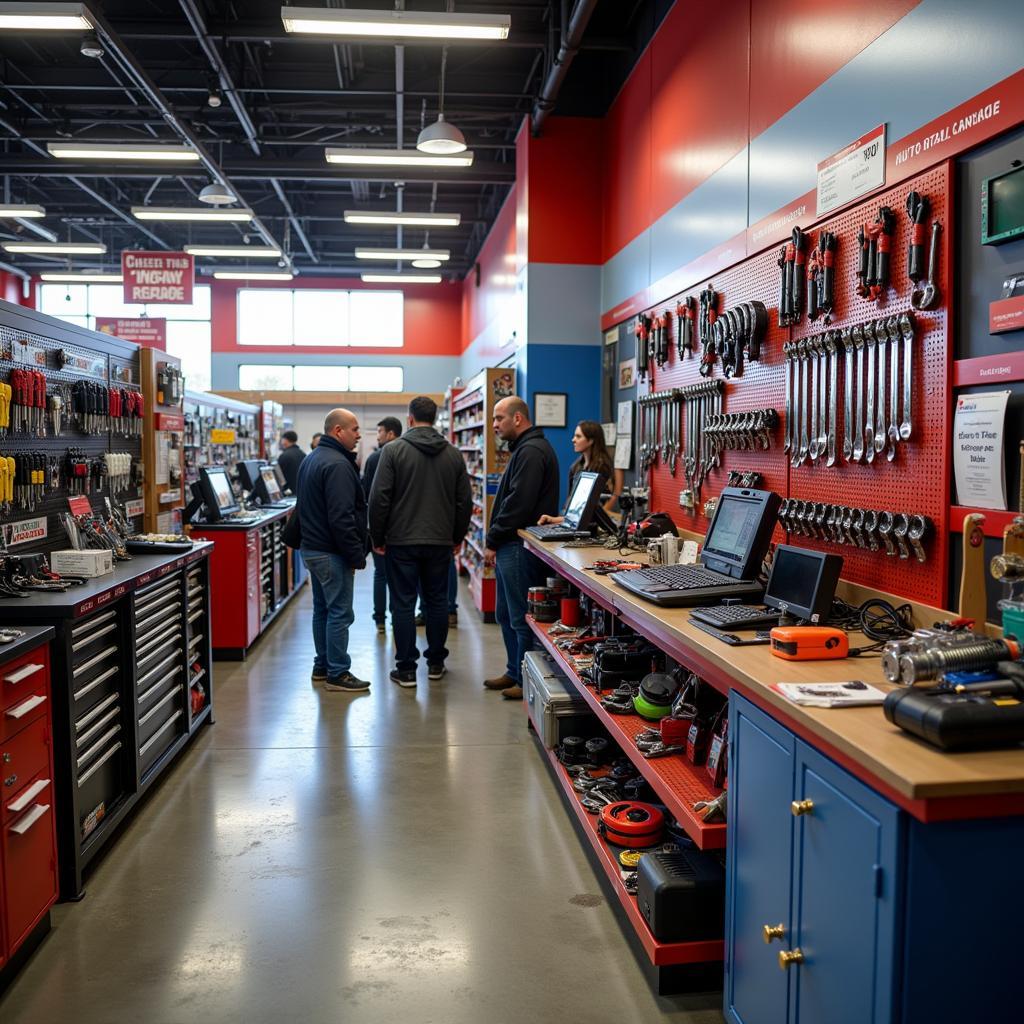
(618,663)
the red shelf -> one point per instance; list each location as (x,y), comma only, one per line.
(678,783)
(996,520)
(661,954)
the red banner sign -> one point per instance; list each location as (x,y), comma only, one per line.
(150,332)
(164,277)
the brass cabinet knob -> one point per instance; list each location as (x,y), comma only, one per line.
(799,807)
(788,957)
(774,931)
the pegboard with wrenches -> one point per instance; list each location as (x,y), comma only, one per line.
(917,480)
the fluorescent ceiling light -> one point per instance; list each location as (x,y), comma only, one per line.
(402,254)
(247,275)
(190,213)
(51,17)
(57,248)
(397,158)
(401,278)
(395,24)
(259,251)
(120,151)
(428,220)
(21,210)
(84,275)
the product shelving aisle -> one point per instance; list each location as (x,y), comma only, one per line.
(472,411)
(218,432)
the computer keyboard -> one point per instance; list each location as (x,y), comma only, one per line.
(555,532)
(674,585)
(682,577)
(736,616)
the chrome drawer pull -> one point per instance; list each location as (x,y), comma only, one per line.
(169,611)
(82,722)
(23,673)
(22,826)
(93,638)
(95,748)
(146,650)
(143,697)
(160,587)
(163,728)
(195,615)
(94,660)
(28,796)
(104,721)
(158,668)
(92,623)
(159,704)
(158,649)
(106,757)
(22,709)
(101,678)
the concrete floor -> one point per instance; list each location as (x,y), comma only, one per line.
(320,857)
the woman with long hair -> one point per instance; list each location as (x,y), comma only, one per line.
(593,457)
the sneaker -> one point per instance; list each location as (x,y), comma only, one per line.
(503,682)
(381,628)
(420,622)
(436,671)
(513,693)
(319,676)
(405,679)
(347,682)
(453,620)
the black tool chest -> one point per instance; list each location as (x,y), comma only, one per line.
(129,651)
(274,586)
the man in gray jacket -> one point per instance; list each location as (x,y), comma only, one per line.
(420,506)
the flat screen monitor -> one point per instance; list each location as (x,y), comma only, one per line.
(803,583)
(585,495)
(267,487)
(279,473)
(218,496)
(741,532)
(249,473)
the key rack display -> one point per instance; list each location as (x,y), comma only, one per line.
(218,432)
(848,390)
(486,457)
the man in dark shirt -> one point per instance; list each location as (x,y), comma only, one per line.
(332,519)
(527,491)
(290,459)
(388,429)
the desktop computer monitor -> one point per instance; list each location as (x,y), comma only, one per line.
(585,497)
(249,473)
(267,488)
(218,497)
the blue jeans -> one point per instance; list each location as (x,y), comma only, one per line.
(453,588)
(412,569)
(516,570)
(332,579)
(380,589)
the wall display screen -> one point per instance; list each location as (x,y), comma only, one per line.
(1002,207)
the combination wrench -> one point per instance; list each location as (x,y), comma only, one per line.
(907,330)
(857,334)
(787,350)
(892,329)
(869,429)
(880,434)
(812,348)
(832,359)
(805,441)
(847,343)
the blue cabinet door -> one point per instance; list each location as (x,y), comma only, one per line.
(845,895)
(758,873)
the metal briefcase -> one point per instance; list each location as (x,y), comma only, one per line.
(552,701)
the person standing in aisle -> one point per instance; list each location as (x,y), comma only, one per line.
(290,459)
(528,490)
(420,506)
(388,430)
(332,520)
(315,440)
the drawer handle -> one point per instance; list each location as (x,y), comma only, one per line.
(22,709)
(163,728)
(83,779)
(96,747)
(801,807)
(28,796)
(95,660)
(788,957)
(22,826)
(91,624)
(774,931)
(86,736)
(23,673)
(101,678)
(76,647)
(170,695)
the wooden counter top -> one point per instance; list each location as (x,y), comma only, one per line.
(930,784)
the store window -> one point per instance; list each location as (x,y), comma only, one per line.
(321,316)
(273,377)
(188,326)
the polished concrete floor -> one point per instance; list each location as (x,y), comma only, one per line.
(400,856)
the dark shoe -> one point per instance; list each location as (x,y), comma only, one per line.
(453,620)
(319,676)
(436,671)
(420,622)
(513,693)
(347,682)
(405,679)
(503,682)
(381,628)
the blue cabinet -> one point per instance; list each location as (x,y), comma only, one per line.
(825,879)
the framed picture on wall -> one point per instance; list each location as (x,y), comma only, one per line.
(549,408)
(627,374)
(610,433)
(624,423)
(624,453)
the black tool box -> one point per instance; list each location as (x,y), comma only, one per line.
(682,895)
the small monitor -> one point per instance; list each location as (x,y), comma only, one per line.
(249,473)
(585,496)
(741,531)
(218,496)
(279,473)
(802,583)
(267,488)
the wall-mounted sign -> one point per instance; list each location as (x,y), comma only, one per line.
(978,465)
(165,277)
(222,435)
(854,170)
(134,509)
(150,332)
(25,531)
(74,362)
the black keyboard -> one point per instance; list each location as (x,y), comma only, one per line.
(682,577)
(674,585)
(737,616)
(556,532)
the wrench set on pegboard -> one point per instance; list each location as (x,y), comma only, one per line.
(841,400)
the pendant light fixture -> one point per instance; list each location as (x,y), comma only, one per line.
(441,137)
(217,194)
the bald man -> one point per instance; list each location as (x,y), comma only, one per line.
(528,490)
(335,540)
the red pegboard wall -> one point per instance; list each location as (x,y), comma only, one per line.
(918,480)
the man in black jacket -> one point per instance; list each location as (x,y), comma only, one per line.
(290,459)
(527,491)
(420,506)
(387,430)
(332,518)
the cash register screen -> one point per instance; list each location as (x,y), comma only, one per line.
(270,483)
(735,528)
(221,489)
(578,501)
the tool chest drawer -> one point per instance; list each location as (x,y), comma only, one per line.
(32,704)
(36,789)
(21,674)
(24,755)
(29,867)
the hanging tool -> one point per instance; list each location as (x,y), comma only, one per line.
(880,233)
(863,250)
(796,306)
(686,317)
(928,296)
(917,211)
(973,600)
(813,285)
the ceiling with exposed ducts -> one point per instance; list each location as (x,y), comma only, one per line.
(261,107)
